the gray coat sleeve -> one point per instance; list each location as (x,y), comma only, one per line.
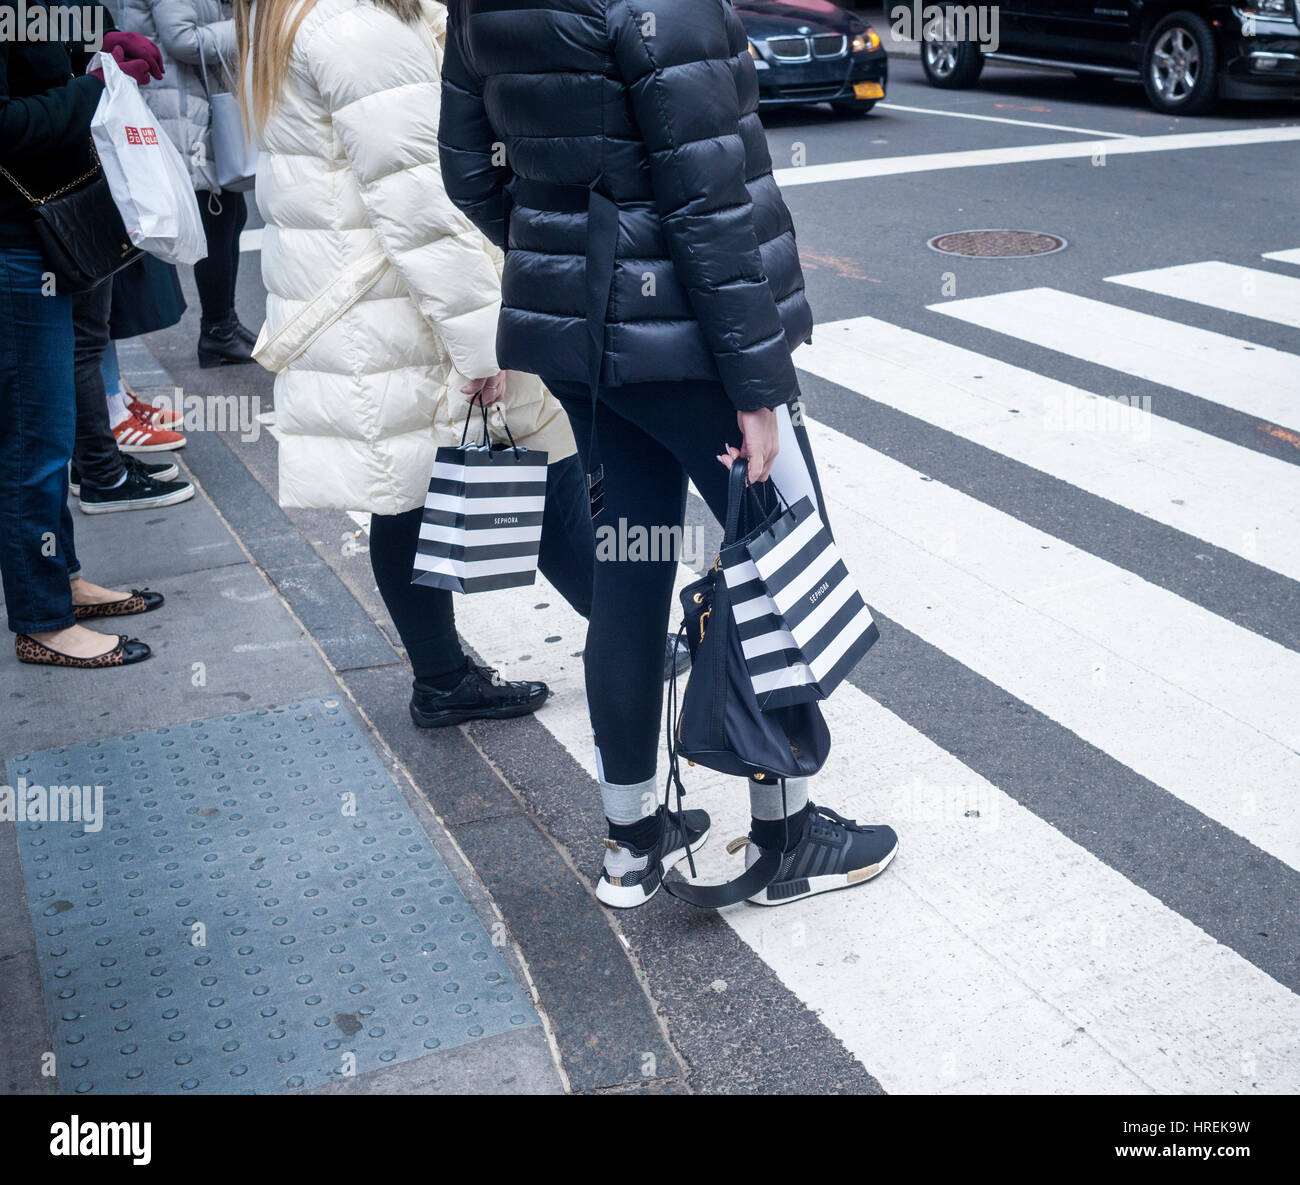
(181,34)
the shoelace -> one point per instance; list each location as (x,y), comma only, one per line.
(825,812)
(135,420)
(491,675)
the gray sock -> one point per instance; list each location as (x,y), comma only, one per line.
(765,798)
(629,804)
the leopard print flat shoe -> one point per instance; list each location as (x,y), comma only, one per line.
(141,600)
(127,651)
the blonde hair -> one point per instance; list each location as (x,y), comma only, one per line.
(268,51)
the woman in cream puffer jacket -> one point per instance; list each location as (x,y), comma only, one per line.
(381,313)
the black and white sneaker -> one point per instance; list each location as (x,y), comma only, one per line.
(833,853)
(631,876)
(138,492)
(481,695)
(159,471)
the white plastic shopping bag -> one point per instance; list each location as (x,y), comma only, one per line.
(146,175)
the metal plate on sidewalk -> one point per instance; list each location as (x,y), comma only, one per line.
(259,911)
(997,244)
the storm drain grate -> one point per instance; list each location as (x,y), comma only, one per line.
(996,244)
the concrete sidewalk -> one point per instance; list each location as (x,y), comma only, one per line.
(261,901)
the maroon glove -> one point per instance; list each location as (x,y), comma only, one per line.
(132,69)
(136,48)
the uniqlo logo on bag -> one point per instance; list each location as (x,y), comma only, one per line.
(133,135)
(150,135)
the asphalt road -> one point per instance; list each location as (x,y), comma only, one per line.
(1081,716)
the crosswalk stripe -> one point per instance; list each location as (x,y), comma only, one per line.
(1291,256)
(1251,378)
(1235,498)
(1098,150)
(1020,123)
(1202,707)
(1249,291)
(995,955)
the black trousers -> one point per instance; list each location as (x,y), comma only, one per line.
(650,438)
(426,617)
(95,454)
(224,216)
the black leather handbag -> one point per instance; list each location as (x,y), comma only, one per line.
(720,725)
(81,234)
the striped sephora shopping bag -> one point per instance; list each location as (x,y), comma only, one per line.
(803,624)
(482,522)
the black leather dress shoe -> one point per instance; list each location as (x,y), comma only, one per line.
(480,695)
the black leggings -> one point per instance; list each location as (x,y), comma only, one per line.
(215,276)
(425,617)
(650,438)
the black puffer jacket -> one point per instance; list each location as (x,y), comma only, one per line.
(46,104)
(653,104)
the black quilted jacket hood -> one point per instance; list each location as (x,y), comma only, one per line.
(654,103)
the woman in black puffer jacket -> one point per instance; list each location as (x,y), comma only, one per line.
(652,280)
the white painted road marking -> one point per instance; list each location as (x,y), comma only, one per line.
(1249,291)
(927,162)
(1023,123)
(996,955)
(1237,499)
(1200,706)
(1243,375)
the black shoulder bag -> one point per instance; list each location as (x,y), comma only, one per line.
(721,725)
(81,234)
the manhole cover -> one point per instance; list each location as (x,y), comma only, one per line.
(996,244)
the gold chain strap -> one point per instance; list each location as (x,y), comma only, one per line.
(71,185)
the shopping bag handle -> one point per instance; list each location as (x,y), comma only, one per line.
(487,436)
(740,494)
(469,415)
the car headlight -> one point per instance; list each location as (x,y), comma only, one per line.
(1271,7)
(868,39)
(759,61)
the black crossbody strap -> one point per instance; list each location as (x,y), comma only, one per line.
(754,879)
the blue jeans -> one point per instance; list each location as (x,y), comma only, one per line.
(38,416)
(109,369)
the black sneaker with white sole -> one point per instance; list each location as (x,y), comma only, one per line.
(481,695)
(833,853)
(138,492)
(631,876)
(158,470)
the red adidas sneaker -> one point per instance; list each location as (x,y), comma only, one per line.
(137,435)
(158,417)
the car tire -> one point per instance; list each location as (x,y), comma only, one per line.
(849,107)
(1180,65)
(949,64)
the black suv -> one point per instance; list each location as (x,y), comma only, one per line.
(1188,53)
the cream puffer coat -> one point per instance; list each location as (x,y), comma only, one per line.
(382,298)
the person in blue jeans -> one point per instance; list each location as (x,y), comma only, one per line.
(46,103)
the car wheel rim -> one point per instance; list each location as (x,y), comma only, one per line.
(941,56)
(1175,65)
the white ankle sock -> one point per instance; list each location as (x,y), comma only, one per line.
(117,409)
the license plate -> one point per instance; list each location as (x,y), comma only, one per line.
(868,90)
